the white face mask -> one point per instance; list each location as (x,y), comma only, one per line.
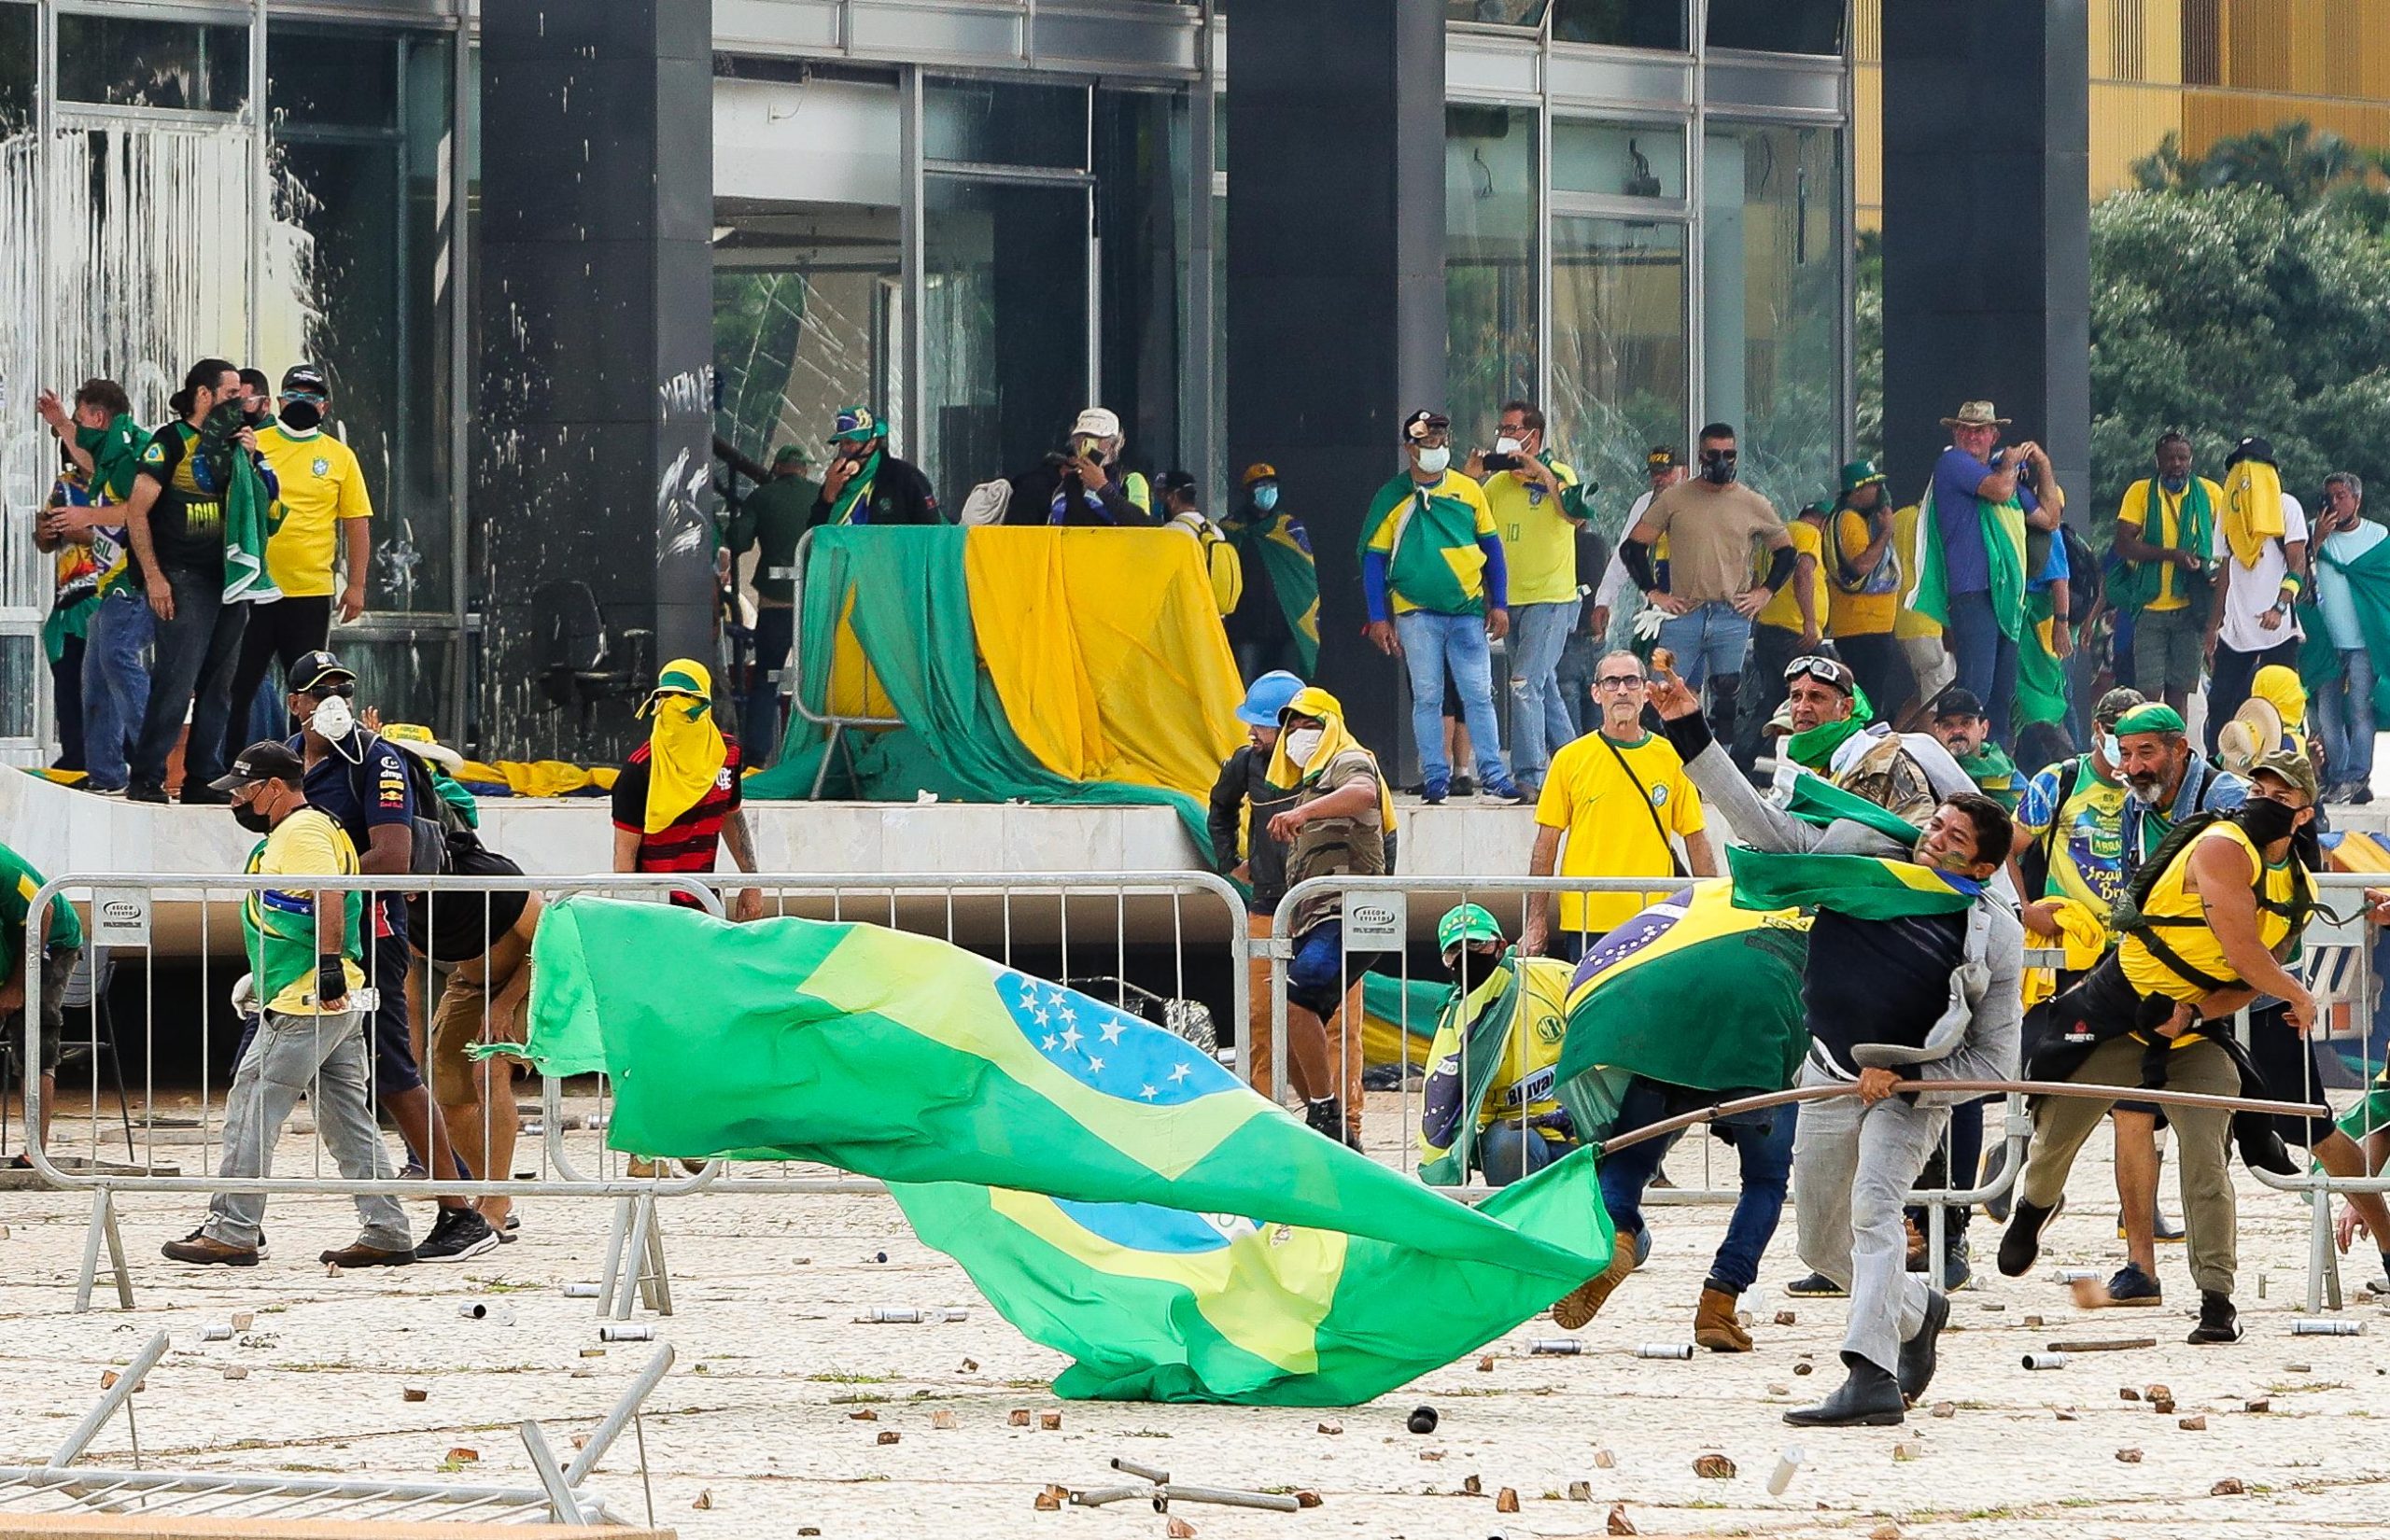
(1506,445)
(1303,743)
(2110,749)
(1434,461)
(333,720)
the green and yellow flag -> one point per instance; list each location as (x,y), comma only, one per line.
(2004,540)
(1494,1054)
(1114,1193)
(1861,886)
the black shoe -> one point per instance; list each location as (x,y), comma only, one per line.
(2218,1321)
(146,791)
(199,794)
(1917,1354)
(1993,1164)
(1870,1398)
(2360,794)
(2132,1286)
(1815,1286)
(457,1234)
(1325,1116)
(1957,1272)
(2022,1244)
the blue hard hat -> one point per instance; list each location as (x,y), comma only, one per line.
(1267,697)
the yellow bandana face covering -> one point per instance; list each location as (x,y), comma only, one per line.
(686,748)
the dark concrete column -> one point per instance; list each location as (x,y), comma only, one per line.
(1987,229)
(596,339)
(1336,281)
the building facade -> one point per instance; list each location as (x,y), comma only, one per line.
(975,217)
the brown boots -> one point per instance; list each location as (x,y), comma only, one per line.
(1714,1325)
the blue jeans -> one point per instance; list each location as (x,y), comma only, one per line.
(1764,1154)
(116,683)
(1508,1151)
(196,654)
(759,714)
(1709,641)
(1986,658)
(2344,712)
(1432,643)
(1540,721)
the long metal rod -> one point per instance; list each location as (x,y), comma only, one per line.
(1985,1088)
(128,1380)
(561,1502)
(619,1416)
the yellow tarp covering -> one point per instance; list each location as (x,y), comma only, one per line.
(537,777)
(855,690)
(1106,650)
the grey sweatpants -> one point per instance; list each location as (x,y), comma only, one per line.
(324,1059)
(1852,1167)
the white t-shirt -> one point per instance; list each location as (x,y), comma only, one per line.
(1614,576)
(2253,591)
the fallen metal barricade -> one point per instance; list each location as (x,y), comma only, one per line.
(63,1485)
(139,919)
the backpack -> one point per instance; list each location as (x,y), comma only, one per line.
(1222,566)
(2128,919)
(2086,579)
(986,503)
(2034,864)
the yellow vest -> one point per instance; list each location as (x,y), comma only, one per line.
(2181,923)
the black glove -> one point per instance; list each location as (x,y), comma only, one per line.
(332,981)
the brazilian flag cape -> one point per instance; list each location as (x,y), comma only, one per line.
(2133,585)
(2041,673)
(1112,1191)
(1694,956)
(2004,540)
(1511,1020)
(1861,886)
(1282,547)
(2369,584)
(1434,541)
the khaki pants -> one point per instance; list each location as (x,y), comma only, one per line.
(1344,1033)
(2203,1139)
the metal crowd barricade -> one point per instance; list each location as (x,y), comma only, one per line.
(2336,957)
(1507,898)
(184,914)
(1084,919)
(63,1485)
(792,674)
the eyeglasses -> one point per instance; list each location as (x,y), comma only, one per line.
(1719,456)
(1824,670)
(1618,682)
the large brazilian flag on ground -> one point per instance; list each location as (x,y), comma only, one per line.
(1113,1192)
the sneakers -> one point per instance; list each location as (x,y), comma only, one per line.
(361,1255)
(199,794)
(1509,791)
(146,791)
(457,1234)
(2378,1287)
(1957,1272)
(2022,1244)
(2218,1321)
(2132,1286)
(1815,1286)
(1326,1117)
(262,1249)
(2164,1228)
(1434,794)
(199,1250)
(1464,786)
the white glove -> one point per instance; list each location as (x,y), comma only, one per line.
(1648,622)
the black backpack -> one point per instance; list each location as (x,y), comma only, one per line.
(2086,580)
(2128,919)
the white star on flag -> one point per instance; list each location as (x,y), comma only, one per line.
(1071,1039)
(1149,1093)
(1112,1029)
(1180,1072)
(1048,1041)
(1094,1065)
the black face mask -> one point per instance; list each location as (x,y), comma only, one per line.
(252,820)
(2266,821)
(303,414)
(1716,469)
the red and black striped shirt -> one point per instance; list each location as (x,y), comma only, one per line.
(689,842)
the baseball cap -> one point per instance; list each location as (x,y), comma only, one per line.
(1260,470)
(1859,474)
(1958,701)
(2114,703)
(1465,923)
(2293,765)
(1422,423)
(1662,458)
(2252,448)
(855,425)
(1097,423)
(318,668)
(1267,697)
(264,760)
(798,452)
(1177,480)
(304,380)
(420,741)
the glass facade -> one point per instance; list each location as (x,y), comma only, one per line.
(977,250)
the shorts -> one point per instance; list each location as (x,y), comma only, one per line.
(57,970)
(2169,651)
(1321,972)
(394,1066)
(459,1021)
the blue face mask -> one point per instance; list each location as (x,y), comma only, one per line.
(2174,484)
(1265,497)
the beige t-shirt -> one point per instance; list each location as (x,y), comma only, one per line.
(1711,532)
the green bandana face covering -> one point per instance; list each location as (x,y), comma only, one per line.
(1815,748)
